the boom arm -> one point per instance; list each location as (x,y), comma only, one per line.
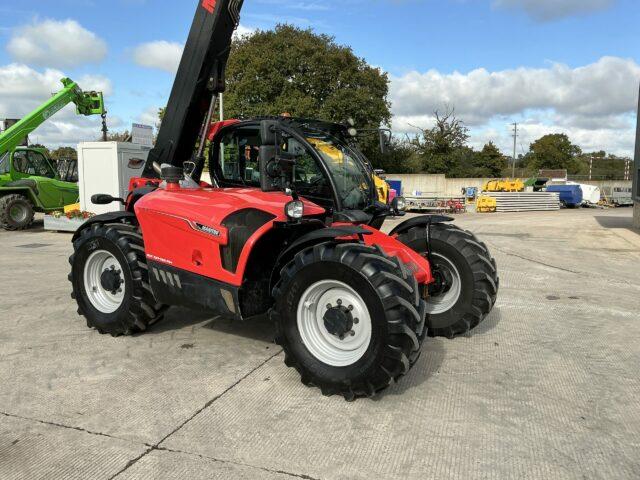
(87,103)
(200,78)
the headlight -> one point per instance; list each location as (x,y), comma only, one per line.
(294,210)
(399,203)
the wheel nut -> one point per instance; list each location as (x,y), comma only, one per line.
(339,302)
(356,321)
(352,333)
(329,306)
(350,308)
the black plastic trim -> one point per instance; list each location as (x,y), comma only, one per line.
(110,217)
(241,226)
(177,287)
(420,221)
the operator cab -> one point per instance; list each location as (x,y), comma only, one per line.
(327,170)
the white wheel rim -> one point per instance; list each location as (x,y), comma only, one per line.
(322,344)
(446,301)
(101,298)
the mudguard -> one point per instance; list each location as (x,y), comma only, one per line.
(110,217)
(420,221)
(312,238)
(24,187)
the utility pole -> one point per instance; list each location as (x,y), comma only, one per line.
(590,167)
(627,169)
(515,147)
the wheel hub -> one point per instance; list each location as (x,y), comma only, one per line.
(111,280)
(334,323)
(338,321)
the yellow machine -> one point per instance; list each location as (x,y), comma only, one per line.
(504,185)
(382,187)
(486,204)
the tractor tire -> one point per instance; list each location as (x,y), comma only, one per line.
(471,271)
(16,212)
(110,280)
(349,318)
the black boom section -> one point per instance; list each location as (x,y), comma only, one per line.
(241,227)
(201,76)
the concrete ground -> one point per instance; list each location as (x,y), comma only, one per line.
(547,387)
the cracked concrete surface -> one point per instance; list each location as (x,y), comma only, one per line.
(547,387)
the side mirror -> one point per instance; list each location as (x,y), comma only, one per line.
(104,199)
(269,171)
(385,140)
(269,132)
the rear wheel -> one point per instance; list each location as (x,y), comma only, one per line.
(110,280)
(347,320)
(465,273)
(16,212)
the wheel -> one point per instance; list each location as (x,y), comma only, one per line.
(349,318)
(110,280)
(16,212)
(466,275)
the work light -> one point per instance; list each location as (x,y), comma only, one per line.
(294,210)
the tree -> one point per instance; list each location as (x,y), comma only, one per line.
(64,153)
(489,162)
(124,136)
(553,152)
(305,74)
(441,147)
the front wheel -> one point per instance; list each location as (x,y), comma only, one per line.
(467,280)
(16,212)
(349,318)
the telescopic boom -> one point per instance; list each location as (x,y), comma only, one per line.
(87,103)
(199,81)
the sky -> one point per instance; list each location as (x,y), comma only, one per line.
(553,66)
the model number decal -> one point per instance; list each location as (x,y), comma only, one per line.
(159,259)
(209,230)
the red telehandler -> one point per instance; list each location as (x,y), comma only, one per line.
(285,229)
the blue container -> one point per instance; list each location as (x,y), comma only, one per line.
(396,185)
(570,195)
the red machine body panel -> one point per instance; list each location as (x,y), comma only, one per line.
(171,222)
(416,262)
(184,228)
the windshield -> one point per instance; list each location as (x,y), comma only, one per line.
(4,164)
(350,175)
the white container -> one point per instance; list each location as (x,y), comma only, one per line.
(107,167)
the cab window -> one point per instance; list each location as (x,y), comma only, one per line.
(239,157)
(309,179)
(34,163)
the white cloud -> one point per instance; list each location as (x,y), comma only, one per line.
(166,56)
(22,89)
(56,44)
(545,10)
(243,30)
(161,55)
(599,97)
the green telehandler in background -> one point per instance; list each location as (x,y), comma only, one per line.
(29,182)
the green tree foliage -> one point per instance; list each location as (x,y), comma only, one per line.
(305,74)
(64,153)
(554,151)
(442,148)
(489,162)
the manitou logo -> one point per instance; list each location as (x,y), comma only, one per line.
(209,5)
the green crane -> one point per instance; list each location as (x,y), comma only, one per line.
(28,181)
